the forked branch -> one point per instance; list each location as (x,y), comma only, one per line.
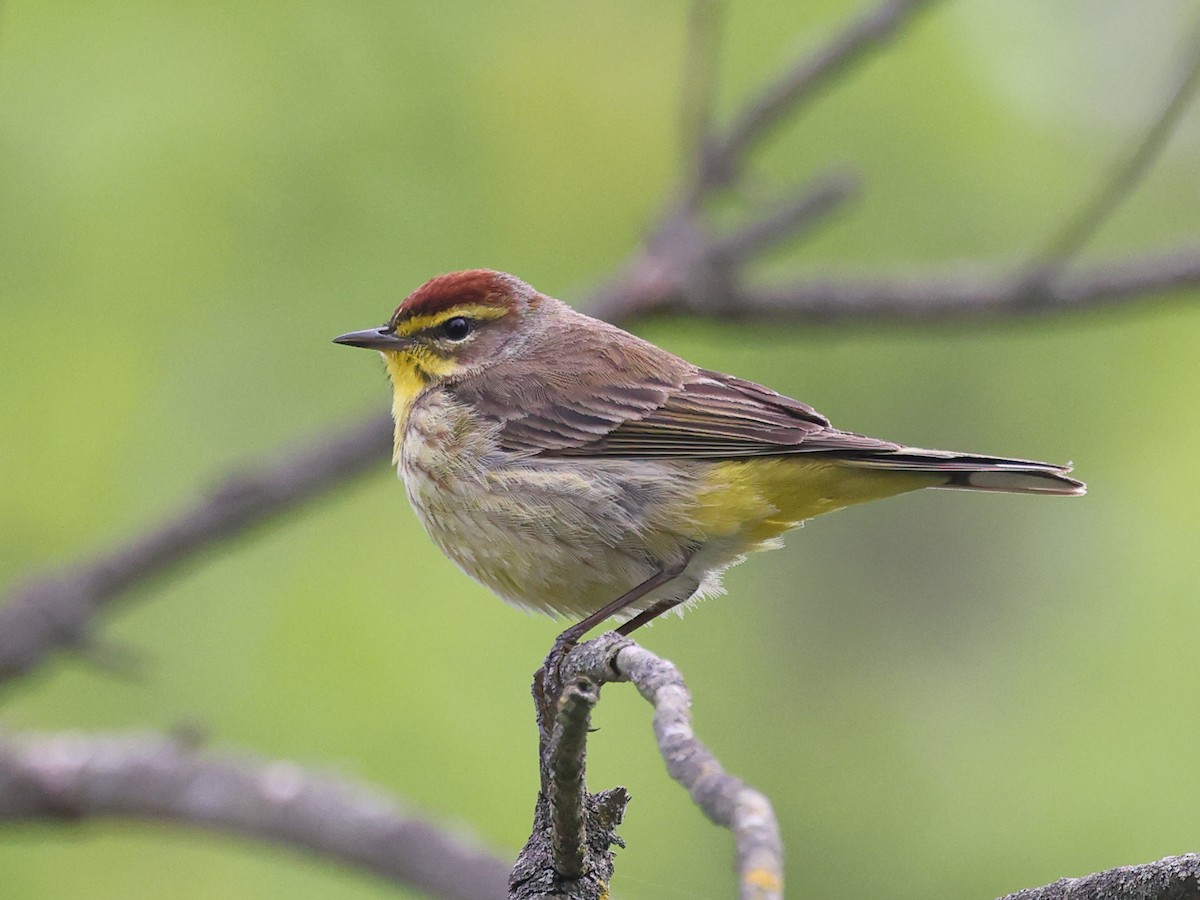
(552,858)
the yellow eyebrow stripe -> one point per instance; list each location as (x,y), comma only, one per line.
(406,327)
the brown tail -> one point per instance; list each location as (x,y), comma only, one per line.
(967,472)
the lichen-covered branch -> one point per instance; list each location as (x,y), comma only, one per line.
(78,778)
(728,802)
(1172,878)
(565,772)
(723,798)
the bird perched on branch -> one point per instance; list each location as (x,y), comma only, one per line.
(583,472)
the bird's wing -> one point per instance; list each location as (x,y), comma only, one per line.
(715,416)
(606,398)
(631,399)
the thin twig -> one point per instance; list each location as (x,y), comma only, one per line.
(1081,228)
(784,96)
(75,778)
(726,800)
(790,217)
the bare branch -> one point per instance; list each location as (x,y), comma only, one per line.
(1173,878)
(728,802)
(783,97)
(792,216)
(569,851)
(56,610)
(1080,229)
(148,777)
(972,292)
(534,876)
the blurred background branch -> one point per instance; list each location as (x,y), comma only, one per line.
(74,778)
(56,610)
(1077,231)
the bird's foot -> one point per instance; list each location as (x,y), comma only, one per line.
(548,681)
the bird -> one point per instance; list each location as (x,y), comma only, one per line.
(578,470)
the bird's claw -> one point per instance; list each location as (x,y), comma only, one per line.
(548,681)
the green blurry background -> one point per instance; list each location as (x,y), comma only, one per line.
(944,694)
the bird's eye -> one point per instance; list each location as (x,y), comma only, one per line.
(456,329)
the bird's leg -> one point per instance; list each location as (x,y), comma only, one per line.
(547,682)
(571,636)
(647,615)
(662,606)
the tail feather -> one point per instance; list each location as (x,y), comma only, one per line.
(965,471)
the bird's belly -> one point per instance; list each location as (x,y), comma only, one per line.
(547,541)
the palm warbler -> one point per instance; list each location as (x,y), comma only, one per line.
(580,471)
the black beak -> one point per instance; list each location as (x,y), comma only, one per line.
(372,339)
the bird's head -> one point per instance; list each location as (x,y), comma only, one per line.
(452,326)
